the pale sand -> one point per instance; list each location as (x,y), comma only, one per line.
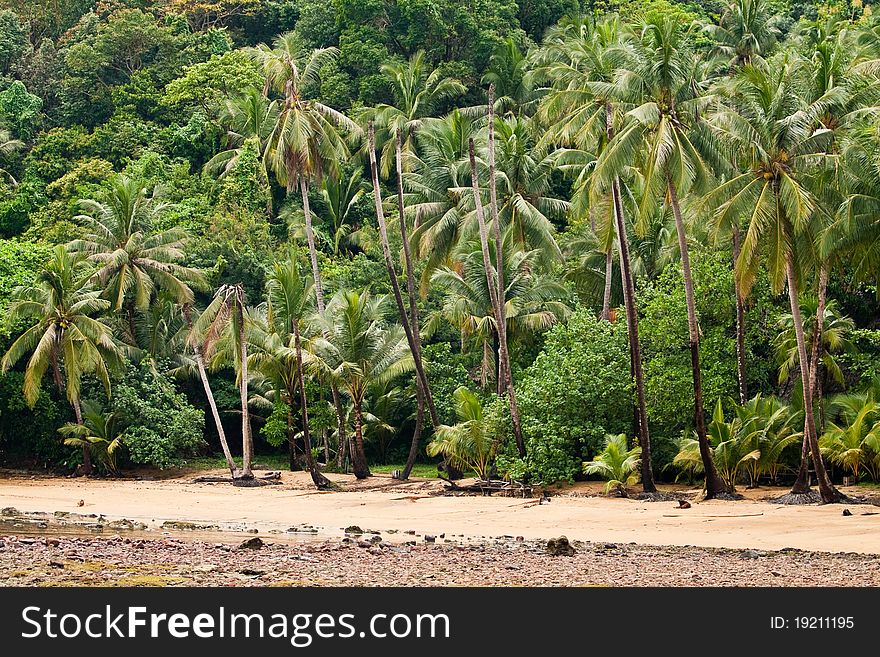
(743,524)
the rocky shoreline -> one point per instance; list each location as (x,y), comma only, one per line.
(367,560)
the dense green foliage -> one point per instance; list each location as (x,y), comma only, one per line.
(162,161)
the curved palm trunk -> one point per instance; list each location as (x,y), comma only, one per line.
(247,441)
(212,403)
(740,325)
(321,482)
(632,329)
(493,202)
(417,433)
(606,295)
(358,457)
(714,484)
(827,491)
(504,355)
(319,297)
(409,330)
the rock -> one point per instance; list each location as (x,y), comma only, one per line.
(749,554)
(559,547)
(684,504)
(56,564)
(442,535)
(347,540)
(520,539)
(354,529)
(847,512)
(62,514)
(429,538)
(9,511)
(253,531)
(252,572)
(81,503)
(375,539)
(254,543)
(411,532)
(363,543)
(53,542)
(27,541)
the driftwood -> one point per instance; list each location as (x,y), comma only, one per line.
(263,480)
(489,486)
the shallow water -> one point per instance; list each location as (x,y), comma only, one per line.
(35,528)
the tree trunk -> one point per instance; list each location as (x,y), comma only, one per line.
(247,443)
(632,328)
(212,403)
(291,436)
(714,485)
(310,237)
(816,346)
(827,491)
(606,295)
(358,456)
(87,467)
(417,432)
(497,307)
(740,325)
(395,286)
(493,204)
(321,482)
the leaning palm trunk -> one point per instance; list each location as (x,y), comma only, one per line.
(809,371)
(632,328)
(740,325)
(395,286)
(423,396)
(247,441)
(319,298)
(215,413)
(503,354)
(321,482)
(714,485)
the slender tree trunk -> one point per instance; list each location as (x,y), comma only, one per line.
(247,443)
(87,466)
(714,484)
(319,295)
(359,461)
(816,346)
(493,203)
(395,286)
(827,491)
(632,328)
(321,482)
(497,307)
(212,403)
(423,396)
(740,325)
(606,295)
(291,435)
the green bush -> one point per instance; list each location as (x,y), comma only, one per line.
(578,390)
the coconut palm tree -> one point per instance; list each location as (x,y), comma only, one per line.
(341,196)
(533,301)
(63,332)
(289,303)
(99,433)
(777,138)
(305,140)
(418,93)
(660,84)
(746,28)
(471,443)
(133,259)
(358,349)
(853,442)
(617,464)
(508,73)
(224,323)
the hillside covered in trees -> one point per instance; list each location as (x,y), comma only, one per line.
(536,240)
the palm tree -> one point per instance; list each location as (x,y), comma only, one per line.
(472,442)
(8,145)
(660,81)
(497,305)
(617,464)
(133,259)
(746,28)
(305,139)
(341,196)
(776,137)
(289,299)
(226,319)
(63,333)
(533,301)
(358,350)
(508,73)
(99,433)
(418,92)
(854,441)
